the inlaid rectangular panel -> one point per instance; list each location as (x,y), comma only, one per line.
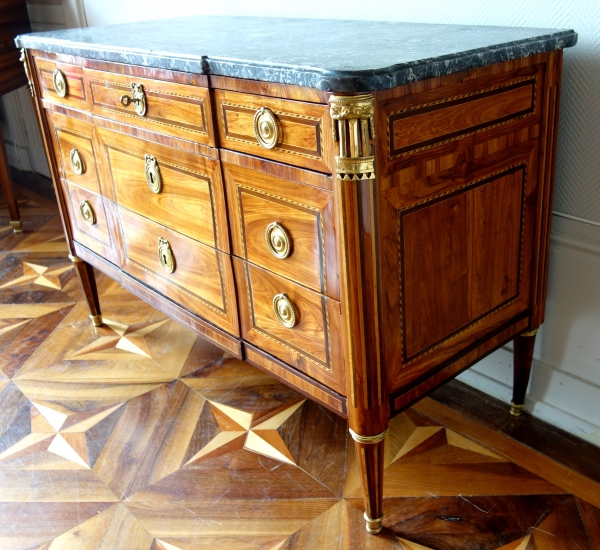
(304,129)
(74,150)
(431,117)
(94,221)
(461,259)
(312,344)
(302,246)
(177,110)
(201,278)
(74,93)
(187,195)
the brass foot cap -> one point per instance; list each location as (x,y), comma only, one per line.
(17,226)
(96,320)
(516,410)
(374,526)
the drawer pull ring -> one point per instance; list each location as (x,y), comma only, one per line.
(266,128)
(76,162)
(153,178)
(87,212)
(60,83)
(278,240)
(137,97)
(165,255)
(285,310)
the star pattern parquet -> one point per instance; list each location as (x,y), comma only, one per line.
(137,435)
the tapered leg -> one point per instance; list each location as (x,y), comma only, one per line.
(523,356)
(85,272)
(7,189)
(369,454)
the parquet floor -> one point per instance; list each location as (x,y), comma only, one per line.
(137,435)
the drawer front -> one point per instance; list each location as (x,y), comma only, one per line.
(94,222)
(201,279)
(312,345)
(74,150)
(177,110)
(303,129)
(62,83)
(179,190)
(284,226)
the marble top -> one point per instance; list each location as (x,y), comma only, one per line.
(332,55)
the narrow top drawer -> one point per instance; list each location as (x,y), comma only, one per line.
(293,132)
(177,110)
(62,83)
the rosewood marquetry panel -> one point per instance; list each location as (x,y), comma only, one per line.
(458,210)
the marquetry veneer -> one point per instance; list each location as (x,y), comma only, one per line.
(363,248)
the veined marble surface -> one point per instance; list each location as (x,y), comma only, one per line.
(332,55)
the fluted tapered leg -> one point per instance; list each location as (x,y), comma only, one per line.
(7,189)
(87,279)
(523,357)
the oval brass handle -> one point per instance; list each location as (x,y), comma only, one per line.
(60,83)
(76,162)
(137,97)
(285,310)
(278,240)
(87,212)
(152,171)
(165,255)
(266,128)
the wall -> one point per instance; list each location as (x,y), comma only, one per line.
(565,387)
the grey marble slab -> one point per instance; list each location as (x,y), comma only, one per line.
(332,55)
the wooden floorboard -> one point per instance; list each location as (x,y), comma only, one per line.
(139,435)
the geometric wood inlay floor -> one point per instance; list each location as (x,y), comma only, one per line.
(138,435)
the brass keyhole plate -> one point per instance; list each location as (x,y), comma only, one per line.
(153,177)
(165,255)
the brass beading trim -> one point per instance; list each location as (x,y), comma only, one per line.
(367,439)
(74,258)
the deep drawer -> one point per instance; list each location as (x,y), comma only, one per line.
(305,332)
(282,224)
(298,133)
(93,221)
(177,110)
(73,146)
(179,190)
(196,276)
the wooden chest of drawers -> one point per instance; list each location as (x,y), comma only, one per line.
(363,244)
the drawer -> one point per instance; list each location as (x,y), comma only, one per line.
(312,345)
(298,132)
(62,83)
(74,150)
(179,190)
(94,221)
(283,225)
(196,276)
(177,110)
